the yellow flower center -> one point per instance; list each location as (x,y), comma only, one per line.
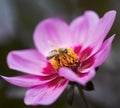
(62,57)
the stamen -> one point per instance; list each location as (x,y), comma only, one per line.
(64,58)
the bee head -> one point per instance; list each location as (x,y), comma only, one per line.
(63,50)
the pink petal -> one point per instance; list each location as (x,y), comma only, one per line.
(79,29)
(86,77)
(102,55)
(45,94)
(104,25)
(87,65)
(83,27)
(101,31)
(29,80)
(49,70)
(90,31)
(77,49)
(93,20)
(81,78)
(28,61)
(51,34)
(84,54)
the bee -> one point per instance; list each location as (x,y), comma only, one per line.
(56,52)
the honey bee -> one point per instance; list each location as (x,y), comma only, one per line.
(56,52)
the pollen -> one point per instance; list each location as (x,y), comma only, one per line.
(65,58)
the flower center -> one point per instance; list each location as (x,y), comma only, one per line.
(63,57)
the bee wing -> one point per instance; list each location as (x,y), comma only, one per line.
(52,54)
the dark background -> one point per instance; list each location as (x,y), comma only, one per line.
(18,19)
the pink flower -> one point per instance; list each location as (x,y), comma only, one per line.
(64,53)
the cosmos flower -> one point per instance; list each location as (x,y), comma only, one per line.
(64,53)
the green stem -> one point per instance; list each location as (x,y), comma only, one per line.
(70,95)
(86,105)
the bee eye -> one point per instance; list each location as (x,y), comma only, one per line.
(63,50)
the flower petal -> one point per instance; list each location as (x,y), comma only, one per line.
(104,26)
(29,80)
(83,27)
(28,61)
(45,94)
(51,34)
(87,65)
(81,78)
(102,55)
(86,77)
(102,30)
(90,31)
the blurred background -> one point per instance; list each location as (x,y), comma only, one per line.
(18,19)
